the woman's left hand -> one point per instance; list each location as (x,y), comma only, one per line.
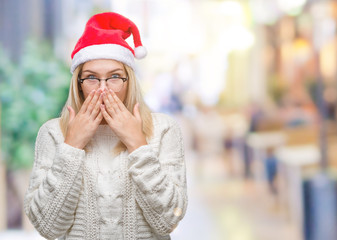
(127,126)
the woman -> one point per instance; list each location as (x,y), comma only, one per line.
(108,168)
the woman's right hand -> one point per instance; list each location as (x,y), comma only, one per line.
(82,126)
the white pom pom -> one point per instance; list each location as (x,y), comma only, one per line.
(140,52)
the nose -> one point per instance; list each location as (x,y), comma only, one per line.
(102,86)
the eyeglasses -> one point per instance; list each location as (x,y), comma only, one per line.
(115,82)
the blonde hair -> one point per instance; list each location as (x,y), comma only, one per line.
(133,95)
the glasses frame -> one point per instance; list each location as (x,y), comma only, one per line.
(124,79)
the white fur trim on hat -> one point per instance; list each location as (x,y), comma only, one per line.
(103,51)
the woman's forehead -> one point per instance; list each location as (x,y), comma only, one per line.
(102,65)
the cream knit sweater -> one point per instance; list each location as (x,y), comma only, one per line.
(77,194)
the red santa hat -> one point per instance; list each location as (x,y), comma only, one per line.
(104,38)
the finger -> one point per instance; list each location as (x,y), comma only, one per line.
(99,118)
(93,101)
(87,101)
(108,105)
(96,109)
(136,111)
(113,102)
(119,103)
(105,114)
(71,113)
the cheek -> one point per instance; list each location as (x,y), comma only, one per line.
(122,94)
(85,92)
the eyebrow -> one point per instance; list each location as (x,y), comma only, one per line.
(111,71)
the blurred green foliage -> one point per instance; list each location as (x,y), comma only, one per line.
(31,92)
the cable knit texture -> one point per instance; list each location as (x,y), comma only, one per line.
(92,194)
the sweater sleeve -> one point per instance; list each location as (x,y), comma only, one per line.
(160,181)
(54,186)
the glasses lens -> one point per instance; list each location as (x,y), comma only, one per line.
(91,82)
(116,84)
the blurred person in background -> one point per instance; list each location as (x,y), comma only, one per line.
(254,114)
(270,163)
(108,168)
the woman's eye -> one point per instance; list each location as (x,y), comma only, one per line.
(115,76)
(91,77)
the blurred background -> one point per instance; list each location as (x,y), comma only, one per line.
(251,82)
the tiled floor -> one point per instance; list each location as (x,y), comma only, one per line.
(224,206)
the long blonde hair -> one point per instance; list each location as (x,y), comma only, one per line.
(133,95)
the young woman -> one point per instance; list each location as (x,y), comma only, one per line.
(108,168)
